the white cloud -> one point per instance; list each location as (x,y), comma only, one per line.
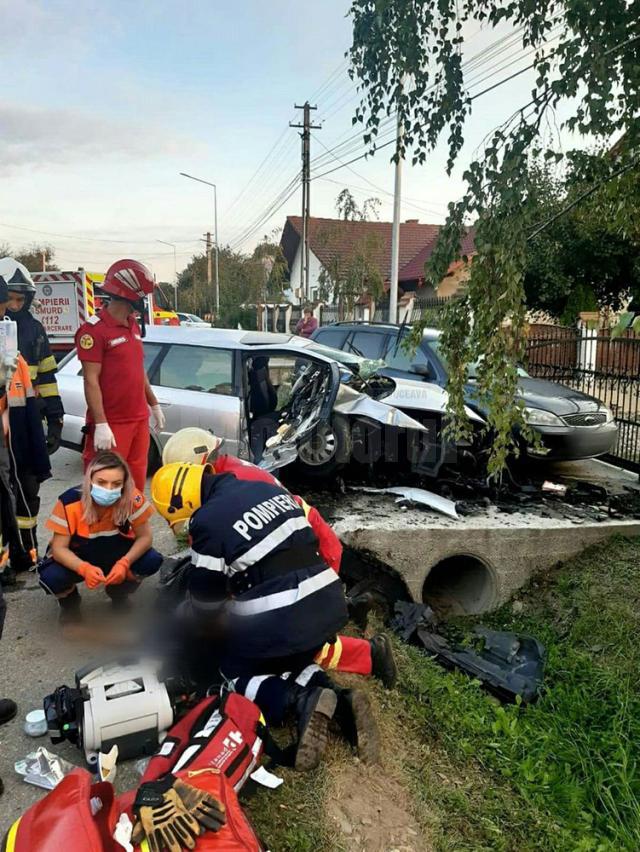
(40,136)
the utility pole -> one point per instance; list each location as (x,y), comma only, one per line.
(44,260)
(395,229)
(208,238)
(306,128)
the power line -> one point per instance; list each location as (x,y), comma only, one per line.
(393,141)
(273,208)
(584,195)
(83,239)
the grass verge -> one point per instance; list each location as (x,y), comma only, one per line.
(558,775)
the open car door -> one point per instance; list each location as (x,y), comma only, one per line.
(287,395)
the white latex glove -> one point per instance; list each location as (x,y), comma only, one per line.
(158,417)
(103,437)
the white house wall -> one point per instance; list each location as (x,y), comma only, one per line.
(315,268)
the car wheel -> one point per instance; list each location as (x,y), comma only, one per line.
(328,448)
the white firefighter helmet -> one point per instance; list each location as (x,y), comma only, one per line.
(16,275)
(191,446)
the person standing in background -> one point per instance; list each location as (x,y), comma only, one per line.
(307,324)
(116,386)
(32,396)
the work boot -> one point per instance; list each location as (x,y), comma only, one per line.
(70,608)
(8,710)
(357,724)
(383,665)
(315,709)
(8,577)
(359,608)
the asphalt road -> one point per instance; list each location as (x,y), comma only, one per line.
(34,658)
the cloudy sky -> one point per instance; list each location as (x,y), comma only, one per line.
(104,103)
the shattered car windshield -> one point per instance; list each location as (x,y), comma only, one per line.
(366,367)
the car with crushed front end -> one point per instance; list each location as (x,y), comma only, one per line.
(275,398)
(569,424)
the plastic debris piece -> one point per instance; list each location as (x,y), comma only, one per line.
(266,778)
(107,764)
(43,769)
(122,832)
(419,496)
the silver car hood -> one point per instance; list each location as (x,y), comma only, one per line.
(423,397)
(349,401)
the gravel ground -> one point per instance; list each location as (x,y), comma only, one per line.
(34,658)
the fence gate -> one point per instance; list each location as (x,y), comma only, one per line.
(593,362)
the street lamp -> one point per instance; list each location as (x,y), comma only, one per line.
(175,272)
(215,228)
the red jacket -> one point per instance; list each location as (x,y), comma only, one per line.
(328,542)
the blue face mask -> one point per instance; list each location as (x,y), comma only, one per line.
(105,496)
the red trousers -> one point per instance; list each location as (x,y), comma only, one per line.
(132,443)
(346,654)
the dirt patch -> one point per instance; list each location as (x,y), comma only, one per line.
(371,807)
(371,811)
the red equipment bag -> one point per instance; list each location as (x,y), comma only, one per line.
(226,733)
(237,835)
(64,819)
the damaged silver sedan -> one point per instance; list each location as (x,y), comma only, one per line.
(275,399)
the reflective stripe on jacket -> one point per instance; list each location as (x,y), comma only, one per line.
(28,443)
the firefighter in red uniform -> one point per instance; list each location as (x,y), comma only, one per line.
(347,653)
(116,386)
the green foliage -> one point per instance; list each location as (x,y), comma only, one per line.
(572,757)
(585,259)
(348,209)
(407,56)
(347,276)
(244,280)
(344,278)
(31,256)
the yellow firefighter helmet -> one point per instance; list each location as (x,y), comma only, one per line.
(176,491)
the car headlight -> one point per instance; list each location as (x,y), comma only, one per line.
(540,417)
(607,412)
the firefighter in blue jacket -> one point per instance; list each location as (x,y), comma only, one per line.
(255,562)
(34,347)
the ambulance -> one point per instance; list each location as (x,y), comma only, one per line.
(64,300)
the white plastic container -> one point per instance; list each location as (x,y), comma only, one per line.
(35,723)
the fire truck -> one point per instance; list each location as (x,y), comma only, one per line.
(64,300)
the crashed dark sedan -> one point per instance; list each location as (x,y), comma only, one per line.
(571,425)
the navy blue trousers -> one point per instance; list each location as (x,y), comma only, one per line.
(55,578)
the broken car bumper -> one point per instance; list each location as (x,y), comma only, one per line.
(571,443)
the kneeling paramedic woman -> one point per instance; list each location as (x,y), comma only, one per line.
(256,567)
(101,535)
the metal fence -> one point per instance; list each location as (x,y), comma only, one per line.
(596,364)
(428,309)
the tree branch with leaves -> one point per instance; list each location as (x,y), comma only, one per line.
(407,55)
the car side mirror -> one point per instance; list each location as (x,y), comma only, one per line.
(422,370)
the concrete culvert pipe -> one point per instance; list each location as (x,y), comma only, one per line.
(460,585)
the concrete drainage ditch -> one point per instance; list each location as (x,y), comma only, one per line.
(471,565)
